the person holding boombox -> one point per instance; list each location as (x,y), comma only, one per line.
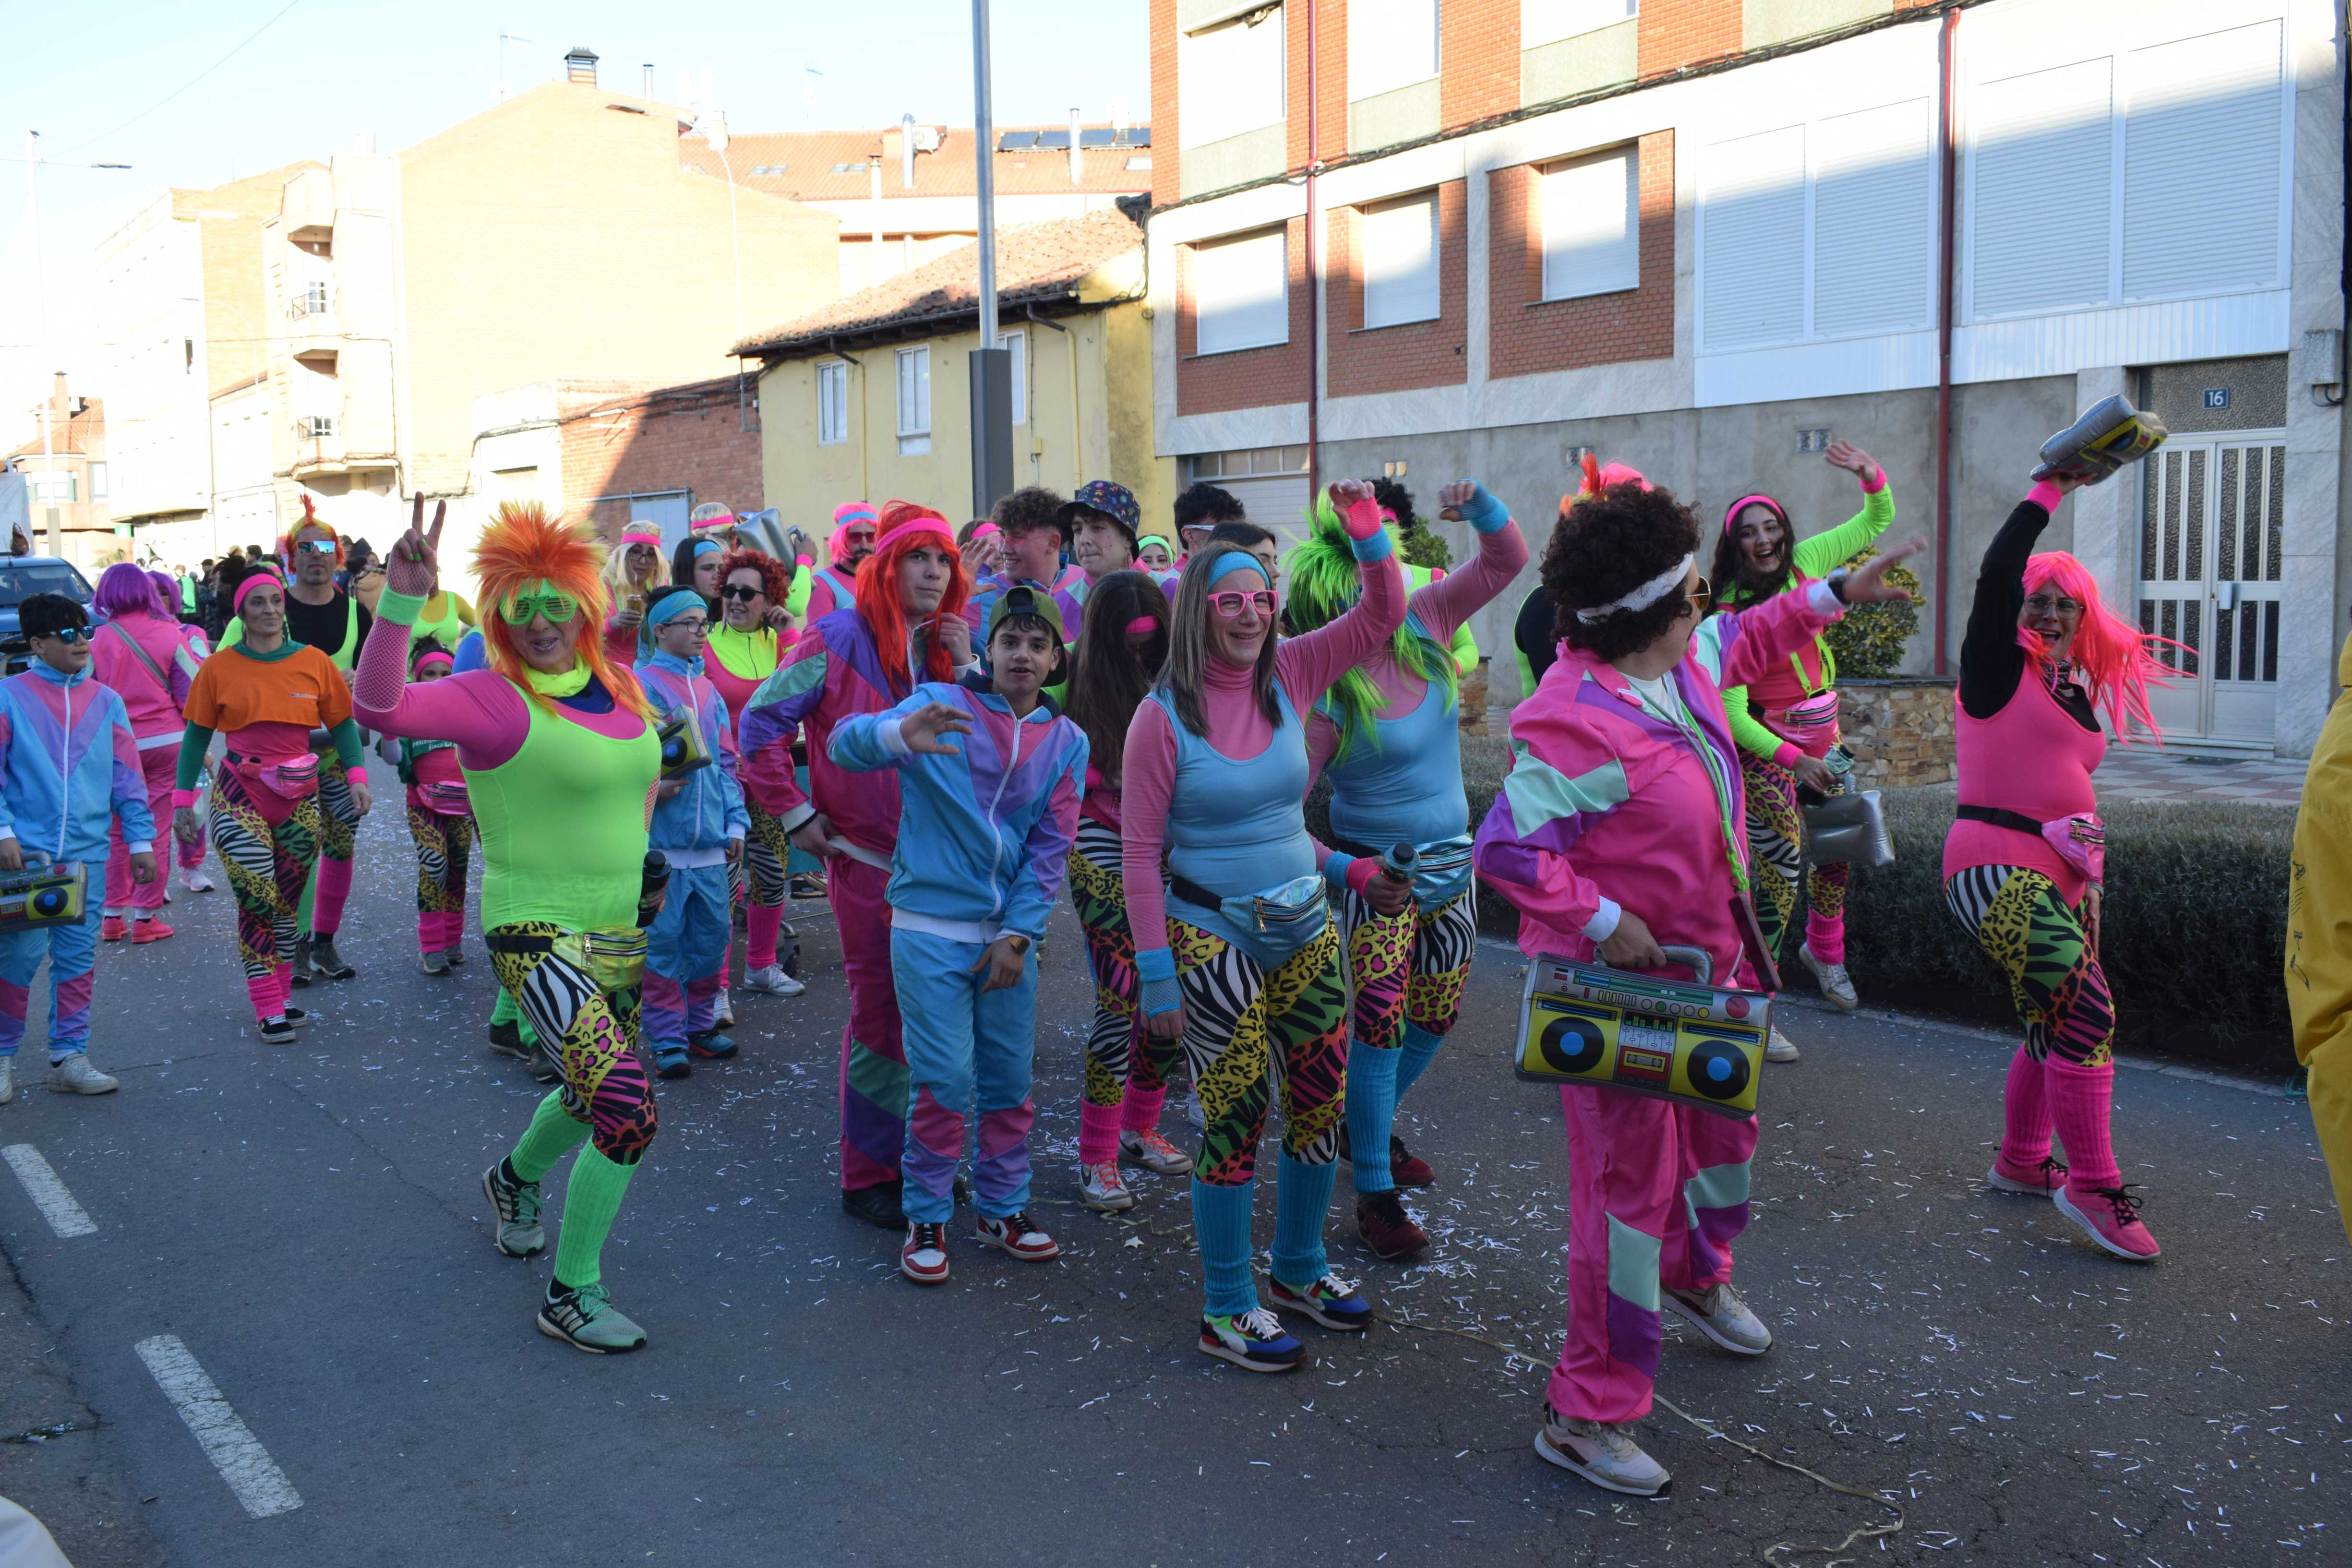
(1619,833)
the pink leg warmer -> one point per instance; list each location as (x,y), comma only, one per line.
(759,945)
(1825,935)
(1098,1133)
(429,931)
(334,887)
(263,989)
(2080,1098)
(2025,1114)
(1139,1110)
(282,979)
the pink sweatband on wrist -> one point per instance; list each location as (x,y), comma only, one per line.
(2045,496)
(1359,873)
(356,775)
(1786,757)
(237,601)
(1876,482)
(184,799)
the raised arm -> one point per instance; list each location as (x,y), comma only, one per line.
(1308,665)
(1820,554)
(1446,605)
(1991,661)
(480,710)
(1146,789)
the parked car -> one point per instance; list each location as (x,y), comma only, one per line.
(20,578)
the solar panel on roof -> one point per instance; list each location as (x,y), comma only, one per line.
(1016,141)
(1139,136)
(1105,138)
(1051,140)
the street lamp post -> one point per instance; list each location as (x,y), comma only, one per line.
(715,134)
(991,367)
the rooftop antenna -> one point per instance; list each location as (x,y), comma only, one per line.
(649,79)
(504,39)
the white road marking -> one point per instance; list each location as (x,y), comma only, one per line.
(66,1216)
(226,1440)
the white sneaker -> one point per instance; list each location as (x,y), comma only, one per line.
(1154,1152)
(195,880)
(1833,979)
(722,1012)
(1103,1189)
(1722,1316)
(773,981)
(1780,1048)
(7,1079)
(75,1075)
(1604,1455)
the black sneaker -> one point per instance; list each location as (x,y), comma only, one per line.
(277,1032)
(877,1206)
(506,1039)
(544,1068)
(326,963)
(301,971)
(299,1019)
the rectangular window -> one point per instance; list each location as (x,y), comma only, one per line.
(1229,78)
(2045,126)
(1548,21)
(914,402)
(2203,136)
(1400,252)
(1242,293)
(1391,44)
(53,487)
(1874,223)
(1751,246)
(1591,225)
(832,403)
(98,481)
(1017,344)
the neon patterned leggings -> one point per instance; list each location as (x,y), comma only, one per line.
(1776,847)
(1409,967)
(1113,1064)
(1239,1019)
(445,848)
(593,1034)
(2023,925)
(268,862)
(766,849)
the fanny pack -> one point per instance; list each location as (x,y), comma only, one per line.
(1810,724)
(446,798)
(1441,871)
(293,777)
(612,956)
(1272,924)
(2080,840)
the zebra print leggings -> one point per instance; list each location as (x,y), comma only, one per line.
(1113,1059)
(2026,927)
(1408,966)
(445,848)
(268,864)
(1776,847)
(1239,1017)
(593,1035)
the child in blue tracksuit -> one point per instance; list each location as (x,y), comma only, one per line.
(698,824)
(68,762)
(984,831)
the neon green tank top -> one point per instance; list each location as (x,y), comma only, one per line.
(563,825)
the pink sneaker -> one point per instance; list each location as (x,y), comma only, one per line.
(114,929)
(2027,1181)
(2110,1215)
(148,931)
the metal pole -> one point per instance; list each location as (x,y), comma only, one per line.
(983,141)
(41,325)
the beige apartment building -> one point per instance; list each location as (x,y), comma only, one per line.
(553,236)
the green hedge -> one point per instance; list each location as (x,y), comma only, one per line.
(2195,921)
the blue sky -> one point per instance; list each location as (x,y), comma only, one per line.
(329,72)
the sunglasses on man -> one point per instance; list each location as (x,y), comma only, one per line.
(315,546)
(736,590)
(69,635)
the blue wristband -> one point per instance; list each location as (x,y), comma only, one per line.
(1155,964)
(1484,513)
(1376,547)
(1335,871)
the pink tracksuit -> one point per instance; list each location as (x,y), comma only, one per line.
(1610,806)
(156,722)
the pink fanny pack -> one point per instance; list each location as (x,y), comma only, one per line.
(2080,842)
(445,799)
(294,777)
(1809,725)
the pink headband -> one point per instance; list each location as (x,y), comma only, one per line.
(919,525)
(641,537)
(236,600)
(1143,625)
(437,656)
(986,531)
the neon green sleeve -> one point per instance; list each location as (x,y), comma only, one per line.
(797,597)
(1465,649)
(1746,730)
(1820,555)
(234,632)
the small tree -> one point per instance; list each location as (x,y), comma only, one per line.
(1868,642)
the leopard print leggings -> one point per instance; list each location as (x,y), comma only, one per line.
(1776,848)
(2023,925)
(1409,965)
(593,1034)
(1114,1054)
(1239,1019)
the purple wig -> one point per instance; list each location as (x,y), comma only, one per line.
(167,594)
(124,589)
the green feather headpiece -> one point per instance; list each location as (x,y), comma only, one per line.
(1324,585)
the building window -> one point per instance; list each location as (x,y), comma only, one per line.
(53,487)
(1548,21)
(833,402)
(1391,44)
(314,300)
(98,481)
(1399,245)
(1017,344)
(1241,290)
(1212,466)
(1229,78)
(1591,225)
(914,402)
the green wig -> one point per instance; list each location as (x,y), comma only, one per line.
(1323,585)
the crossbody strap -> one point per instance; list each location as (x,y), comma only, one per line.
(145,658)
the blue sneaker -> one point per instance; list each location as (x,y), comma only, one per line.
(712,1044)
(670,1062)
(1253,1341)
(1329,1301)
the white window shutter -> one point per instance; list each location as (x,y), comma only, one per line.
(2203,164)
(1400,253)
(1752,240)
(1391,44)
(1548,21)
(1229,79)
(1873,234)
(2040,217)
(1241,290)
(1591,225)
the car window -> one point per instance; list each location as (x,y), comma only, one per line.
(21,579)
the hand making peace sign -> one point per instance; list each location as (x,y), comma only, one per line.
(413,567)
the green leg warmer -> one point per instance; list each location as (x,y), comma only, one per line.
(591,1201)
(551,1135)
(504,1010)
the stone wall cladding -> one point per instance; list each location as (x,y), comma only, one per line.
(1900,731)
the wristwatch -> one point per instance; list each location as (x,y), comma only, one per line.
(1836,581)
(1018,944)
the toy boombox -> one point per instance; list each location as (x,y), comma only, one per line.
(683,746)
(43,894)
(2110,435)
(1691,1042)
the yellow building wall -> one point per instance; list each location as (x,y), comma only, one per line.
(555,237)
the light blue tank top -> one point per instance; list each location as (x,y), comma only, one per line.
(1408,789)
(1237,828)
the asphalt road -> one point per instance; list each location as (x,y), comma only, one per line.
(309,1223)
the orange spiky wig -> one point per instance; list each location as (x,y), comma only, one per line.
(523,545)
(903,528)
(310,519)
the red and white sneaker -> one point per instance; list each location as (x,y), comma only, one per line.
(113,928)
(2110,1216)
(148,931)
(2026,1181)
(1016,1234)
(924,1257)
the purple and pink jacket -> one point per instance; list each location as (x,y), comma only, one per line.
(833,672)
(153,709)
(1607,806)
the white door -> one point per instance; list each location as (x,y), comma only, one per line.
(2211,565)
(668,512)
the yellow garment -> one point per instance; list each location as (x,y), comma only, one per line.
(2319,938)
(1466,646)
(746,656)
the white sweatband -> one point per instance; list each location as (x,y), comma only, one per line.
(1642,597)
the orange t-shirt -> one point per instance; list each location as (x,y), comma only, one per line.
(234,690)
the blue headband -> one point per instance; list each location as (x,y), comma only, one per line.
(705,547)
(1232,560)
(674,605)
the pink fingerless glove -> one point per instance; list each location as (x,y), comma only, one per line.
(1365,519)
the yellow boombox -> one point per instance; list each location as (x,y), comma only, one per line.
(1693,1043)
(43,894)
(684,747)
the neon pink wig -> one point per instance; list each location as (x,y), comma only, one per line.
(844,516)
(2113,657)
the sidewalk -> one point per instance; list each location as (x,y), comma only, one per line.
(2152,773)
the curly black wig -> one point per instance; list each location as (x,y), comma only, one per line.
(1604,548)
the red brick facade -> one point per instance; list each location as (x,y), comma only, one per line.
(1245,378)
(1166,166)
(1672,34)
(1529,334)
(1479,59)
(1412,353)
(688,437)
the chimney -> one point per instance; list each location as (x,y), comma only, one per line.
(907,151)
(649,81)
(58,399)
(1077,163)
(580,65)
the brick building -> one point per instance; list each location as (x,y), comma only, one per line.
(1447,237)
(69,494)
(620,451)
